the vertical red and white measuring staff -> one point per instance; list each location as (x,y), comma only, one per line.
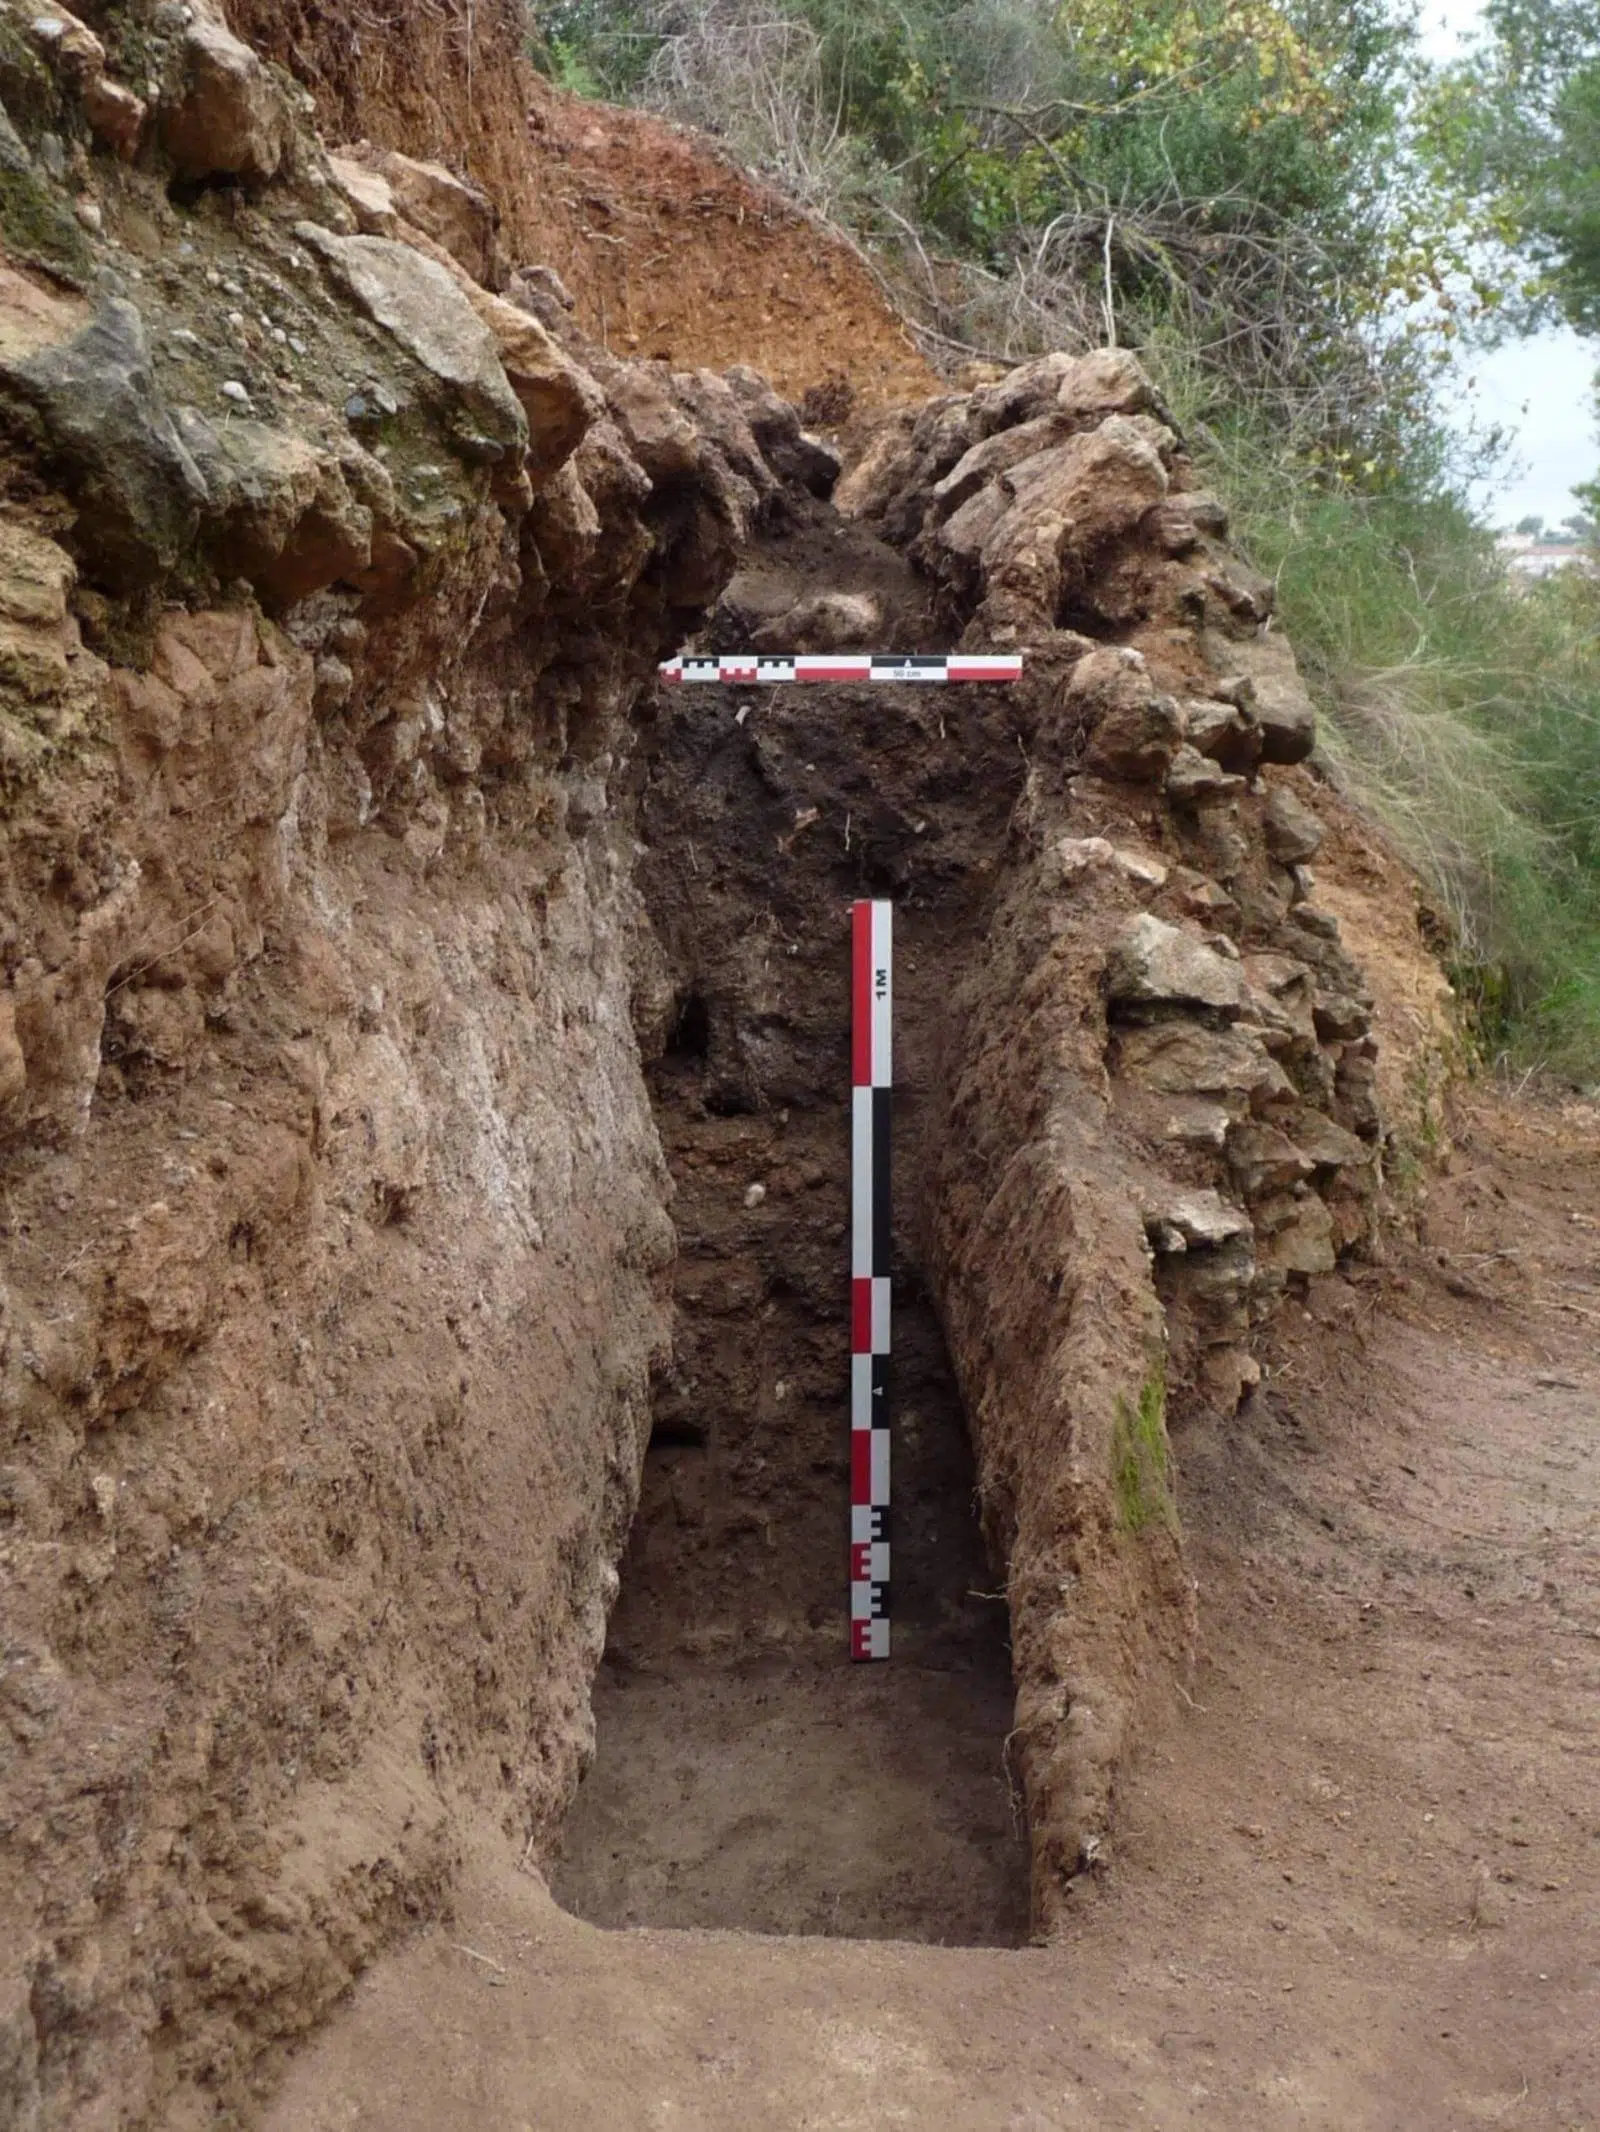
(872,994)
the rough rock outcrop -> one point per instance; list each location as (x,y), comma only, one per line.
(1165,1081)
(335,1218)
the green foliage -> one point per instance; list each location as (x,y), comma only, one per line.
(1296,225)
(1462,709)
(1516,125)
(1140,1473)
(1229,171)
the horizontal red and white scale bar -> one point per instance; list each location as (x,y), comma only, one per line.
(745,669)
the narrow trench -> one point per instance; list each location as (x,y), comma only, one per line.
(747,1774)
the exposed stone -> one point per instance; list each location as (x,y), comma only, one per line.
(282,513)
(116,115)
(1264,1160)
(1294,1234)
(1326,1145)
(788,448)
(558,397)
(878,473)
(1292,831)
(1107,381)
(1085,388)
(1228,733)
(1031,542)
(1323,924)
(1356,1090)
(1078,855)
(1202,898)
(367,194)
(1199,1221)
(541,290)
(1157,964)
(1133,730)
(1183,1058)
(827,621)
(658,433)
(1191,1122)
(1193,779)
(450,210)
(1260,671)
(138,489)
(223,115)
(1281,991)
(47,681)
(416,301)
(74,52)
(1140,866)
(1340,1019)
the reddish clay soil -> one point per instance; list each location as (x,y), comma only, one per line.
(1355,1873)
(668,248)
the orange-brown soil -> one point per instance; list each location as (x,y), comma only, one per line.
(667,247)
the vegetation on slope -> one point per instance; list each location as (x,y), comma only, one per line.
(1299,226)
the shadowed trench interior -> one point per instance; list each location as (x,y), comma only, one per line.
(748,1774)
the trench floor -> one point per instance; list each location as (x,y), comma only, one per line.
(748,1774)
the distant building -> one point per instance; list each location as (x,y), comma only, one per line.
(1529,558)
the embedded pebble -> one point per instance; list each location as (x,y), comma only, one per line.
(299,347)
(233,390)
(754,1194)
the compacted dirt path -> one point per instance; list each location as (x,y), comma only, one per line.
(1356,1869)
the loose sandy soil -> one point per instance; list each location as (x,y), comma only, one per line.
(1356,1868)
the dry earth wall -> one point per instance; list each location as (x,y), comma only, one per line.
(335,556)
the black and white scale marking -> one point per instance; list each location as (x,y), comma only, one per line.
(871,992)
(871,1000)
(746,669)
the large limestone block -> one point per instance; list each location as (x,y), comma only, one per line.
(223,114)
(1230,1067)
(418,302)
(450,210)
(1133,730)
(1261,672)
(1157,964)
(110,434)
(1293,832)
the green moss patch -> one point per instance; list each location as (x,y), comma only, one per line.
(1140,1470)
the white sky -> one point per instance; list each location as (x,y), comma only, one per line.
(1539,389)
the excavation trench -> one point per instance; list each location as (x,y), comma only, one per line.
(747,1774)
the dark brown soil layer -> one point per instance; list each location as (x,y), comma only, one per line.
(748,1774)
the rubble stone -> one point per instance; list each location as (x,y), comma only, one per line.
(416,301)
(450,210)
(138,488)
(1260,670)
(1161,965)
(1292,831)
(1133,730)
(224,115)
(1193,779)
